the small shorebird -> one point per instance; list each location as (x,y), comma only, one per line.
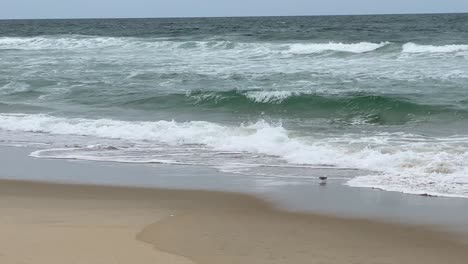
(323,180)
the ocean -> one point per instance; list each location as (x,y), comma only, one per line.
(384,97)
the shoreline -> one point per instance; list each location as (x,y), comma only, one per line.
(298,195)
(191,226)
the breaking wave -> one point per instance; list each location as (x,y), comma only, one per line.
(415,48)
(400,162)
(374,109)
(70,42)
(89,42)
(361,47)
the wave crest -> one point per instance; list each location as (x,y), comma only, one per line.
(253,48)
(89,42)
(347,108)
(361,47)
(415,48)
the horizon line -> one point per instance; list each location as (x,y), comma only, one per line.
(241,16)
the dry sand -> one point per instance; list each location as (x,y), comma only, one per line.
(55,224)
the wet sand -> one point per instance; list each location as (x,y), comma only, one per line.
(54,223)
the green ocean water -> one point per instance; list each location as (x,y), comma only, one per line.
(385,94)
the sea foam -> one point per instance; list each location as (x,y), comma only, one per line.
(415,48)
(398,162)
(268,96)
(70,42)
(362,47)
(67,42)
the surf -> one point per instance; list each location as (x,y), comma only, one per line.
(401,162)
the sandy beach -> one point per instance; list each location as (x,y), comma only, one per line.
(54,223)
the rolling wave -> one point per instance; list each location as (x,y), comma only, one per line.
(68,42)
(361,47)
(352,107)
(88,42)
(72,42)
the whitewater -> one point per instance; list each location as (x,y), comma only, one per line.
(89,42)
(269,97)
(399,162)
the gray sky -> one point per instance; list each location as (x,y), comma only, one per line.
(183,8)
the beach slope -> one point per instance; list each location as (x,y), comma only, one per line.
(53,223)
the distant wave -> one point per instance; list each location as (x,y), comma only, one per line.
(402,162)
(63,42)
(415,48)
(332,46)
(88,42)
(71,42)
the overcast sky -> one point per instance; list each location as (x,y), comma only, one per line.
(184,8)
